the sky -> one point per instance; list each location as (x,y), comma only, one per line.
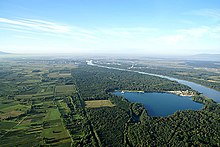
(145,27)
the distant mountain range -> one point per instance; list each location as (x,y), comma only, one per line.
(3,53)
(206,57)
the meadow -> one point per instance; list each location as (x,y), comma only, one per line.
(98,103)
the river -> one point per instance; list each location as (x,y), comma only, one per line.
(208,92)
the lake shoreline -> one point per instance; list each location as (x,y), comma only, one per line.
(177,92)
(182,93)
(160,104)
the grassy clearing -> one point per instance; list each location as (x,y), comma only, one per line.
(18,107)
(99,103)
(59,75)
(7,124)
(54,131)
(23,97)
(13,111)
(63,107)
(6,105)
(47,88)
(31,81)
(53,75)
(65,90)
(45,94)
(52,114)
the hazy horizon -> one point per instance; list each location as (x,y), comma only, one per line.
(199,57)
(148,28)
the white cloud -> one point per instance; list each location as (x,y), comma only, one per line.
(39,25)
(195,32)
(191,34)
(187,22)
(42,27)
(38,28)
(215,32)
(212,13)
(172,38)
(24,37)
(126,32)
(118,38)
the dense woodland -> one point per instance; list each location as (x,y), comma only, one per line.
(46,102)
(93,81)
(202,72)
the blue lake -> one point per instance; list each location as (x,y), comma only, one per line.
(161,104)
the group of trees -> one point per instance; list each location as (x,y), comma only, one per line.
(93,81)
(184,128)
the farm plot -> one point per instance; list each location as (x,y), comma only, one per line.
(13,111)
(44,126)
(54,131)
(98,103)
(65,90)
(23,97)
(22,132)
(59,75)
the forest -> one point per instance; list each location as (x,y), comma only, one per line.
(44,102)
(202,72)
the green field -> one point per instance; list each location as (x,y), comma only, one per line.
(29,102)
(98,103)
(13,111)
(65,90)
